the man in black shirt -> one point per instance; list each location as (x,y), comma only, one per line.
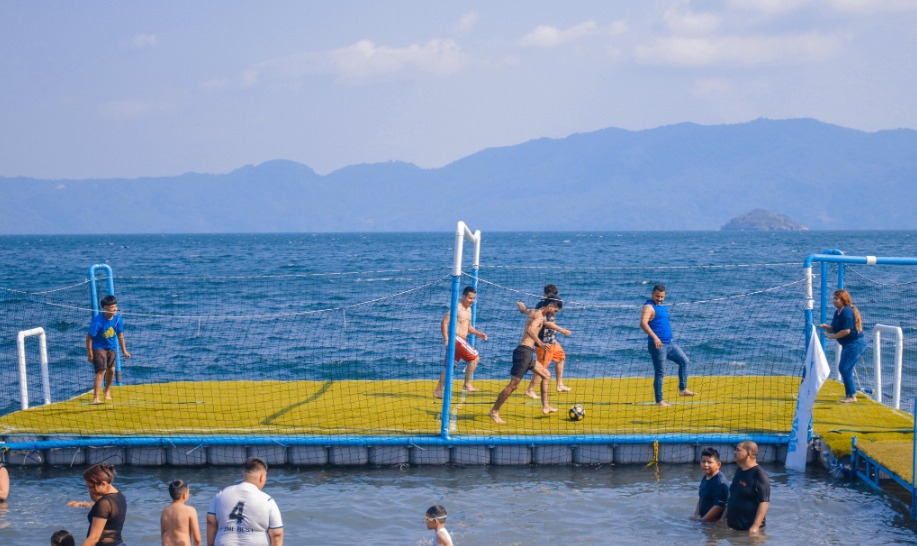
(750,492)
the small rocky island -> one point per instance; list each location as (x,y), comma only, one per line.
(762,220)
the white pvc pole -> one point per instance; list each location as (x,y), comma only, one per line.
(23,376)
(899,360)
(45,379)
(877,362)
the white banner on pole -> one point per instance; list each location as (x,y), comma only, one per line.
(816,372)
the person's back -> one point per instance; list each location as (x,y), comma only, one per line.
(243,514)
(178,523)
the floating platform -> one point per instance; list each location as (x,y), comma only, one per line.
(393,422)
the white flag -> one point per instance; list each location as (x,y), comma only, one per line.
(817,371)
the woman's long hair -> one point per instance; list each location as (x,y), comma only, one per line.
(844,296)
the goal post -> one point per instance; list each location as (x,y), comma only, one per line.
(462,232)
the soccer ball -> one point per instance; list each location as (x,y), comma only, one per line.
(576,413)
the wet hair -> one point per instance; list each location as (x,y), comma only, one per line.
(659,288)
(751,447)
(550,290)
(108,300)
(99,473)
(844,296)
(469,290)
(437,512)
(712,453)
(254,464)
(177,488)
(62,538)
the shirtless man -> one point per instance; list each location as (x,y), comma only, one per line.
(524,359)
(463,350)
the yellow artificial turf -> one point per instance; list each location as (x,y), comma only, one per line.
(619,406)
(872,423)
(614,406)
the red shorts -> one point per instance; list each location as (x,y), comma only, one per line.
(464,351)
(553,353)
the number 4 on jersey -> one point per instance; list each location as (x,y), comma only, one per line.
(236,513)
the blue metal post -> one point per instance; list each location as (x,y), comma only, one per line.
(450,357)
(94,294)
(461,233)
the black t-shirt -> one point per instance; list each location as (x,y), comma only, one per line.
(749,489)
(113,508)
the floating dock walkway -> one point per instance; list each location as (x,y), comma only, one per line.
(303,423)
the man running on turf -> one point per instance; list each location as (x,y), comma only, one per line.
(463,349)
(524,359)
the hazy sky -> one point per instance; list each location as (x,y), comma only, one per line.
(129,89)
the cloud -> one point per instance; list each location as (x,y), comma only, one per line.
(685,21)
(770,7)
(467,21)
(548,36)
(365,58)
(737,50)
(616,28)
(144,40)
(872,6)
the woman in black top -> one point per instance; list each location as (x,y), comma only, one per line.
(106,518)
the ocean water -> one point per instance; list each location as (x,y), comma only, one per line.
(545,505)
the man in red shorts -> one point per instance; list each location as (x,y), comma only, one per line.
(463,350)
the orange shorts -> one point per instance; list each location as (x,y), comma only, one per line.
(553,353)
(464,351)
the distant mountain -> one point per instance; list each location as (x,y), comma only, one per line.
(677,177)
(763,220)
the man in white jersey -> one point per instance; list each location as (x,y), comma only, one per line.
(244,515)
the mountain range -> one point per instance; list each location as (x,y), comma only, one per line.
(677,177)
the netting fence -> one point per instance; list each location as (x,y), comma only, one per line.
(338,357)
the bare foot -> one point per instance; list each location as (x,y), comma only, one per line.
(469,388)
(531,394)
(437,394)
(96,402)
(663,404)
(496,417)
(108,397)
(686,392)
(548,409)
(563,388)
(848,400)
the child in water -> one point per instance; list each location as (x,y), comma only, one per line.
(436,522)
(62,538)
(178,523)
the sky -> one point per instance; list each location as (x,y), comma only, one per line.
(113,89)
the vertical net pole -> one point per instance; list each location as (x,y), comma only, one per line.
(461,233)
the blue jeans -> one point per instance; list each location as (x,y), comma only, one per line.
(850,355)
(669,351)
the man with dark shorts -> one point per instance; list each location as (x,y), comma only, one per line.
(106,331)
(750,492)
(524,358)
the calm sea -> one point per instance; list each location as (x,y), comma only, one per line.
(487,506)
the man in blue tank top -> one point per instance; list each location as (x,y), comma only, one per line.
(655,322)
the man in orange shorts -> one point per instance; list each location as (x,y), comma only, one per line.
(463,350)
